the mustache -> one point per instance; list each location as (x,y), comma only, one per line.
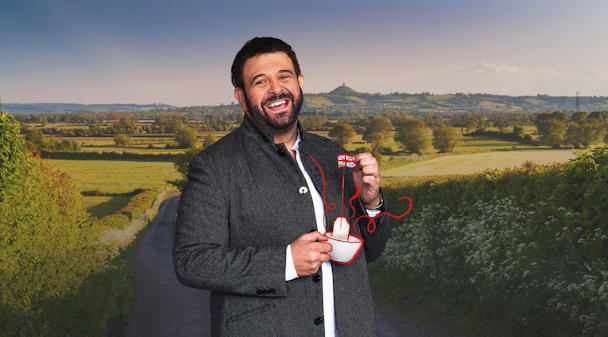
(277,97)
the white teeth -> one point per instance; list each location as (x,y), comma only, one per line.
(272,105)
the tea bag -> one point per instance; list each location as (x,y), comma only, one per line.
(341,228)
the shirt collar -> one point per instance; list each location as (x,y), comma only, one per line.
(296,145)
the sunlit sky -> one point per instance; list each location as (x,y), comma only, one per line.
(180,52)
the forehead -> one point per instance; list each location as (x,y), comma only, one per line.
(266,64)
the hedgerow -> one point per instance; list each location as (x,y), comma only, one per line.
(520,251)
(59,273)
(46,237)
(136,206)
(107,155)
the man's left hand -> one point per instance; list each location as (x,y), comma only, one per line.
(367,175)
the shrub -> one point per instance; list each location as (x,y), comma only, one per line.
(134,208)
(521,251)
(185,137)
(47,242)
(123,140)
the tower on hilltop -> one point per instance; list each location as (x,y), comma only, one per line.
(577,103)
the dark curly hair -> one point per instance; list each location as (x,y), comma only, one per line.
(257,46)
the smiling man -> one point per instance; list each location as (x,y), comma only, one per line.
(252,218)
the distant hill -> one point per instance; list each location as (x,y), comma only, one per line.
(342,90)
(344,98)
(42,108)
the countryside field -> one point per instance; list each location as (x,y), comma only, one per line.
(116,176)
(475,162)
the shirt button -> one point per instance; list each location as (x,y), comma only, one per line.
(303,190)
(318,320)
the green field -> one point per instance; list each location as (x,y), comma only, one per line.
(471,163)
(116,176)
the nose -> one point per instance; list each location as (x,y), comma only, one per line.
(275,87)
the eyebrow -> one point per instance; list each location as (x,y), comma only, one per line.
(262,75)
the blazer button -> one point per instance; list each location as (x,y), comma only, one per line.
(281,152)
(318,320)
(303,190)
(316,278)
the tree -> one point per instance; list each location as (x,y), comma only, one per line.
(551,132)
(377,131)
(471,124)
(125,122)
(579,116)
(445,138)
(343,133)
(208,140)
(173,125)
(518,131)
(159,121)
(35,140)
(574,135)
(185,137)
(313,122)
(500,124)
(123,140)
(412,136)
(181,165)
(584,133)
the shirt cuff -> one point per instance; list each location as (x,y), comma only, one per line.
(290,268)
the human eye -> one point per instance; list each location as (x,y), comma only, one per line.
(260,82)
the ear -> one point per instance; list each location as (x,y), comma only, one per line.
(301,81)
(240,96)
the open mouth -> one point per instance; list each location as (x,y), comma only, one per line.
(277,105)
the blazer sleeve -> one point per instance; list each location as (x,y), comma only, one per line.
(202,256)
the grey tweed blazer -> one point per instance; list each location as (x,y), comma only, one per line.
(240,209)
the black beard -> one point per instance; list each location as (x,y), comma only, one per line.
(264,121)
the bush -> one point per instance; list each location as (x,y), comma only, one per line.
(521,251)
(47,243)
(185,137)
(123,140)
(136,206)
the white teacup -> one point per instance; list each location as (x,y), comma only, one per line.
(344,252)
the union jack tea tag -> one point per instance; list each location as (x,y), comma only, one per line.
(346,160)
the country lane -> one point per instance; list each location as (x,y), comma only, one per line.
(164,307)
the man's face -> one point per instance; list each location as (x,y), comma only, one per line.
(273,93)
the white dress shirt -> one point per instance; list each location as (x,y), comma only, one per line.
(328,282)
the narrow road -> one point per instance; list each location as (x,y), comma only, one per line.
(164,307)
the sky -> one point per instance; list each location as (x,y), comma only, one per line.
(180,52)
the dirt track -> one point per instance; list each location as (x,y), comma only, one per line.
(164,307)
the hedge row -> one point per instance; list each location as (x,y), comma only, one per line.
(107,155)
(517,252)
(48,246)
(136,206)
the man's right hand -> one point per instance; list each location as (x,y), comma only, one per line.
(309,251)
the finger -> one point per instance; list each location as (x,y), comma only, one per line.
(361,156)
(325,247)
(370,170)
(369,161)
(371,180)
(314,236)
